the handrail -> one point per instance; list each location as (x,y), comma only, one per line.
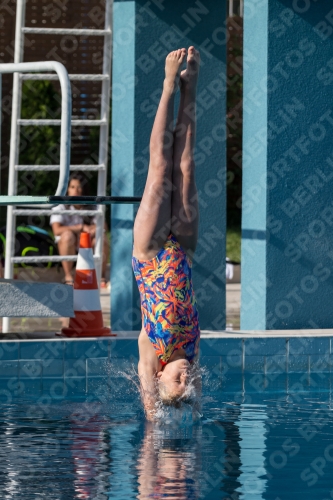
(66,111)
(68,200)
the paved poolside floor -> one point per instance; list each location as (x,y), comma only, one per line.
(55,324)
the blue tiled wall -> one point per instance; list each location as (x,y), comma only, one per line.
(74,367)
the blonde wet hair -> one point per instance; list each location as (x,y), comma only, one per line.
(167,398)
(175,400)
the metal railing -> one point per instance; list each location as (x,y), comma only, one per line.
(236,8)
(65,143)
(65,122)
(103,124)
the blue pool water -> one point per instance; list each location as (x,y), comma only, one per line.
(266,430)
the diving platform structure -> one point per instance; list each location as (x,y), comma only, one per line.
(28,206)
(287,214)
(34,299)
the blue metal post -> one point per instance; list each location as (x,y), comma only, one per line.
(143,34)
(287,244)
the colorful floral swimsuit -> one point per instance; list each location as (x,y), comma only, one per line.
(169,309)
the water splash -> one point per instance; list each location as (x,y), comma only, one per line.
(187,410)
(132,376)
(183,415)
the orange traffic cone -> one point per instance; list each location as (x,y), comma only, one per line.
(88,320)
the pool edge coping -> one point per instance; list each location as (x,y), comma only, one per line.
(205,334)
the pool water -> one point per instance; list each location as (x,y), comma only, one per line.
(259,437)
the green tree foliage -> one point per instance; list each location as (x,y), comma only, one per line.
(39,145)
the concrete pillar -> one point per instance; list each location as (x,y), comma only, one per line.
(287,227)
(143,33)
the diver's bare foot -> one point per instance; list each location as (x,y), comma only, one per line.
(189,77)
(173,64)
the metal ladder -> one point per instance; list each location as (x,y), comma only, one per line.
(235,7)
(17,122)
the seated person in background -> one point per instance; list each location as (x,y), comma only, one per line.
(67,228)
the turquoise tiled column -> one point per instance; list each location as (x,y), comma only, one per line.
(143,34)
(287,227)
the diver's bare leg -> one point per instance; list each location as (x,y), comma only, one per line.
(153,221)
(185,214)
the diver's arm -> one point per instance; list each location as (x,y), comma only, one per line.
(198,391)
(147,368)
(197,383)
(147,389)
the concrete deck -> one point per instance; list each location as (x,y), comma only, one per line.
(43,327)
(26,325)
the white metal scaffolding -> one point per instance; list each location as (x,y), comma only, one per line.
(103,123)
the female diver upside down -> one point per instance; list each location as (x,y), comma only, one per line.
(165,237)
